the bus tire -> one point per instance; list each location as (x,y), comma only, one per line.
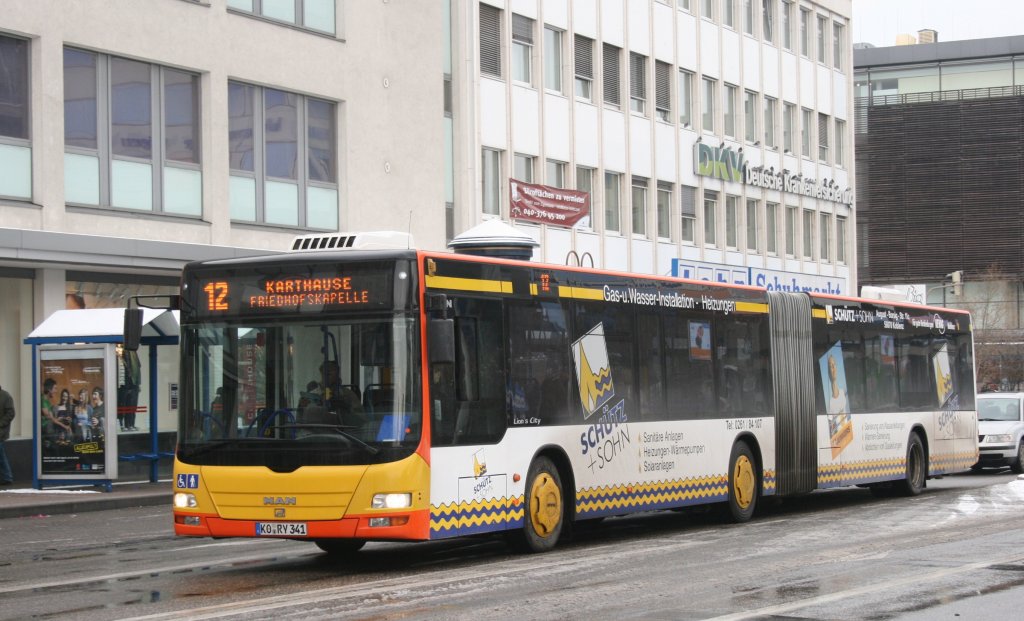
(340,547)
(743,488)
(544,510)
(916,470)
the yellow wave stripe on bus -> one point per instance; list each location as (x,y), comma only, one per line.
(952,462)
(469,515)
(469,284)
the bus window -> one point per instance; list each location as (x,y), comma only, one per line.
(541,383)
(688,370)
(649,344)
(853,366)
(741,363)
(917,390)
(468,398)
(880,372)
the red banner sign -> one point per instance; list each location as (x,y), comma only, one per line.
(540,203)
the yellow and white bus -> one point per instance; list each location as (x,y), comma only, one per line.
(341,396)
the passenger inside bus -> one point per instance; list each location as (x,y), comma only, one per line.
(341,398)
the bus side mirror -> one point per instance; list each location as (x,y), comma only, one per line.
(441,341)
(132,328)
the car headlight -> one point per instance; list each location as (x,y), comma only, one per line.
(999,438)
(183,500)
(391,501)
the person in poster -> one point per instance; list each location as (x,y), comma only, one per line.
(837,404)
(700,340)
(71,443)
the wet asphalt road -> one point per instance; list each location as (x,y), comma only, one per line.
(955,552)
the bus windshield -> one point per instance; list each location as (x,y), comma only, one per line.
(294,393)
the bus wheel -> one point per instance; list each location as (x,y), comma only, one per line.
(917,468)
(340,547)
(544,519)
(742,483)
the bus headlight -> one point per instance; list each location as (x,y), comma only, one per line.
(999,438)
(391,501)
(183,500)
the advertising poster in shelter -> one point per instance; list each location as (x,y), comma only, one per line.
(72,412)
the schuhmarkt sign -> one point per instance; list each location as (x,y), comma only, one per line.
(540,203)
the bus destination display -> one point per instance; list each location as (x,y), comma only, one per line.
(242,294)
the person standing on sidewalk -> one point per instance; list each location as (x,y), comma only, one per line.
(6,418)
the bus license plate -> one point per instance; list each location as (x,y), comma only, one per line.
(280,529)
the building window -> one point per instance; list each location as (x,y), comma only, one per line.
(522,167)
(688,210)
(637,82)
(840,240)
(788,119)
(274,129)
(771,223)
(729,110)
(748,16)
(585,183)
(805,32)
(729,13)
(825,222)
(584,56)
(752,225)
(710,209)
(491,167)
(310,14)
(837,45)
(522,49)
(639,205)
(840,150)
(708,106)
(790,231)
(731,223)
(664,210)
(611,80)
(750,115)
(554,174)
(15,122)
(612,197)
(683,4)
(768,19)
(807,131)
(808,226)
(822,28)
(707,9)
(823,137)
(553,59)
(786,25)
(490,40)
(663,91)
(685,98)
(131,135)
(769,122)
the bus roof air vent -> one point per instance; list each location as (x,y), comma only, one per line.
(495,238)
(374,240)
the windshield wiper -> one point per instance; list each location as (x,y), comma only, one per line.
(342,430)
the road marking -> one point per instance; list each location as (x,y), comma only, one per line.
(887,585)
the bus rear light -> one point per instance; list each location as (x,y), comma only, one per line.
(400,520)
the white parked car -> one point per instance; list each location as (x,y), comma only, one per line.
(1001,430)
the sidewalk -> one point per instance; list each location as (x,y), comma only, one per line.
(20,501)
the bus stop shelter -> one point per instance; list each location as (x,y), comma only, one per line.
(77,348)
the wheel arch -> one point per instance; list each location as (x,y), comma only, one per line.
(922,435)
(755,447)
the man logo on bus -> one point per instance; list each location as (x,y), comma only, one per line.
(593,371)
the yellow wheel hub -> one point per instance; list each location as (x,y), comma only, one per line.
(545,505)
(743,481)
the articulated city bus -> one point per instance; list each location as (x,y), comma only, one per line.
(343,395)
